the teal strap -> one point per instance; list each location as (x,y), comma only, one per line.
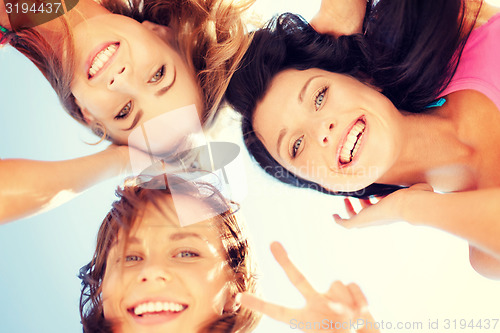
(4,30)
(436,103)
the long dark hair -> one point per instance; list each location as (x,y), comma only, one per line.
(410,50)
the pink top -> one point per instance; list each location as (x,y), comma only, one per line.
(479,66)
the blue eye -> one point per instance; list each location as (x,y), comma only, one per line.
(158,75)
(125,111)
(186,254)
(320,97)
(133,258)
(296,146)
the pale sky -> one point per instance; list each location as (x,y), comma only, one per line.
(407,273)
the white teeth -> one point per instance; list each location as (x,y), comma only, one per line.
(101,59)
(352,143)
(98,63)
(156,307)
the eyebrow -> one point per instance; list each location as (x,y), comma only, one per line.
(133,240)
(163,90)
(173,237)
(183,235)
(130,240)
(280,139)
(304,88)
(138,117)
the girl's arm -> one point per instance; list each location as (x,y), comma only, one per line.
(4,19)
(484,263)
(30,186)
(472,215)
(340,17)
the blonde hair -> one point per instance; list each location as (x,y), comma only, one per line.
(211,35)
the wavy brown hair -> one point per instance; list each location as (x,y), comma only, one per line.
(210,34)
(127,211)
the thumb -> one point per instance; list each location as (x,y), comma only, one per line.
(422,187)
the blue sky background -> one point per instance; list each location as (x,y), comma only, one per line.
(408,273)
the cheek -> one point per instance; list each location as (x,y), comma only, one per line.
(110,306)
(93,103)
(212,290)
(188,93)
(113,290)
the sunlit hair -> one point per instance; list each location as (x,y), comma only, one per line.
(409,51)
(210,35)
(127,211)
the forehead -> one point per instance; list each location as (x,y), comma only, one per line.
(277,107)
(161,221)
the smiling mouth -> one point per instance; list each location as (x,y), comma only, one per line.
(101,59)
(352,142)
(156,308)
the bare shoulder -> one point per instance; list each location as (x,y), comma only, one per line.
(474,104)
(486,12)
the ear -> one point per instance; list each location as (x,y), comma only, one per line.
(161,31)
(87,116)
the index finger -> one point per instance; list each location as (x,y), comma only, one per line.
(276,312)
(293,274)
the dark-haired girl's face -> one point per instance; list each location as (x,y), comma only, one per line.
(164,277)
(127,73)
(328,128)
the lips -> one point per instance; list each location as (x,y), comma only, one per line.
(101,58)
(351,142)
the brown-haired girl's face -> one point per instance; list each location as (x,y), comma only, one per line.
(164,277)
(126,74)
(329,128)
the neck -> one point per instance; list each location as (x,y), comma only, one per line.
(431,142)
(84,9)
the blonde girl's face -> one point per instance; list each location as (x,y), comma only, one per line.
(166,278)
(328,128)
(126,73)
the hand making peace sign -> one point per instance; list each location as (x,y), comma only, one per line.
(335,309)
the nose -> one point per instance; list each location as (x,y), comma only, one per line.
(322,132)
(119,79)
(155,272)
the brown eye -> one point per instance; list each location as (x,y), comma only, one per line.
(158,75)
(125,111)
